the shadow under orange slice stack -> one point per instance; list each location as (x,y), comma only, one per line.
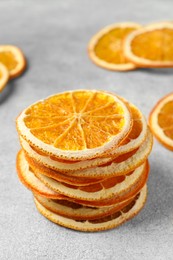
(151,46)
(106,47)
(161,121)
(84,156)
(13,59)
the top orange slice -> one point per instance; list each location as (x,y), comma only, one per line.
(151,46)
(106,47)
(4,76)
(74,125)
(13,58)
(161,121)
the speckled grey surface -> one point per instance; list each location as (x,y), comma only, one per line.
(54,36)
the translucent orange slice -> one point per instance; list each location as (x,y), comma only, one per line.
(151,46)
(13,58)
(4,76)
(161,121)
(106,47)
(76,125)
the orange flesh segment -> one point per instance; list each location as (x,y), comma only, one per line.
(1,75)
(8,59)
(109,46)
(76,121)
(156,45)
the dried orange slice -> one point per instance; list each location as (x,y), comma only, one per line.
(108,188)
(58,175)
(77,211)
(106,47)
(29,180)
(4,76)
(13,58)
(75,125)
(151,46)
(121,165)
(161,121)
(104,223)
(134,139)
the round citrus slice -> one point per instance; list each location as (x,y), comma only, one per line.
(111,221)
(126,196)
(113,187)
(161,121)
(122,164)
(137,134)
(29,180)
(77,211)
(151,46)
(75,125)
(4,76)
(106,47)
(27,177)
(13,58)
(39,168)
(134,139)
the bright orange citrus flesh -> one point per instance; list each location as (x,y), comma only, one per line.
(161,121)
(8,59)
(165,119)
(156,45)
(78,120)
(109,46)
(13,59)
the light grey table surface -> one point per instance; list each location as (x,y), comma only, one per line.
(54,36)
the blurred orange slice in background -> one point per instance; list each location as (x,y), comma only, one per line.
(161,121)
(106,47)
(13,58)
(151,46)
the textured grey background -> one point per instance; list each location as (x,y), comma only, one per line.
(54,36)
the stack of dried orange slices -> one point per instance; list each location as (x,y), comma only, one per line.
(84,156)
(127,46)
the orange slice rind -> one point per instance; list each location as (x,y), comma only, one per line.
(70,125)
(151,46)
(105,223)
(94,192)
(161,121)
(105,48)
(31,182)
(103,190)
(77,211)
(13,59)
(122,165)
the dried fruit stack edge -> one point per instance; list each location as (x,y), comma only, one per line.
(84,157)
